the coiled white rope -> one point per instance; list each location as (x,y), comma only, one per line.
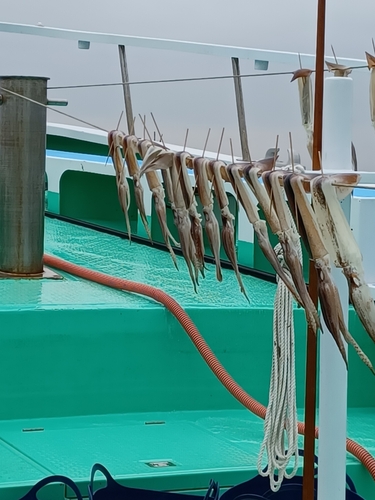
(280,441)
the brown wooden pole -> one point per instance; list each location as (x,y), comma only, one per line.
(240,109)
(311,356)
(310,397)
(319,84)
(126,88)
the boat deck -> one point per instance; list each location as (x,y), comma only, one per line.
(90,374)
(197,446)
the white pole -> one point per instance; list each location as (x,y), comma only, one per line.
(333,381)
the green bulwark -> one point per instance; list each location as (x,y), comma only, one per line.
(93,198)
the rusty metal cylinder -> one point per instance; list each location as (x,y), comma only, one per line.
(22,175)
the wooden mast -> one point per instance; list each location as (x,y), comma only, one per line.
(311,356)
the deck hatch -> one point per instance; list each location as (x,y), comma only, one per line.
(160,463)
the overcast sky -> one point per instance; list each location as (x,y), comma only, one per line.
(272,105)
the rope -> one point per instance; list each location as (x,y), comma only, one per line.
(177,80)
(51,109)
(280,441)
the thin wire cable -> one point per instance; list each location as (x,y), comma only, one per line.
(52,109)
(140,83)
(177,80)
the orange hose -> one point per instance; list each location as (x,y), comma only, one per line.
(163,298)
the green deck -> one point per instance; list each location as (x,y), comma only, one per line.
(92,374)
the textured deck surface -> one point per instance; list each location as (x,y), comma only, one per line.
(131,261)
(223,445)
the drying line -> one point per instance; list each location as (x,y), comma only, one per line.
(177,80)
(52,109)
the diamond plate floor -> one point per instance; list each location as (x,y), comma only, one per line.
(133,261)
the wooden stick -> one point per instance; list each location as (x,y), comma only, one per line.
(300,62)
(273,168)
(333,52)
(291,151)
(145,128)
(231,149)
(133,129)
(186,138)
(157,128)
(275,153)
(205,144)
(373,44)
(295,199)
(221,140)
(320,163)
(119,120)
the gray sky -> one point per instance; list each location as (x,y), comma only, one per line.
(271,102)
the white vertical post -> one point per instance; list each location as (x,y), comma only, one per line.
(333,381)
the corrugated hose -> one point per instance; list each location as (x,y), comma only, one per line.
(209,357)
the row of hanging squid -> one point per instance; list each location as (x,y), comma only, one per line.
(281,194)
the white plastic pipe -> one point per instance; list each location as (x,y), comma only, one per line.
(333,381)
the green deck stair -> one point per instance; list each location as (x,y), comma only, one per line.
(90,374)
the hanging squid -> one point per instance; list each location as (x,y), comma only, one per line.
(211,223)
(166,160)
(260,227)
(123,191)
(346,253)
(130,147)
(157,158)
(288,238)
(196,230)
(303,77)
(327,291)
(227,232)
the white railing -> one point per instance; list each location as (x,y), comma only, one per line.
(308,60)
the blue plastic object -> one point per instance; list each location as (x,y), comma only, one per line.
(258,488)
(32,494)
(115,491)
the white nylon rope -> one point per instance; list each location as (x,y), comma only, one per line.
(280,442)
